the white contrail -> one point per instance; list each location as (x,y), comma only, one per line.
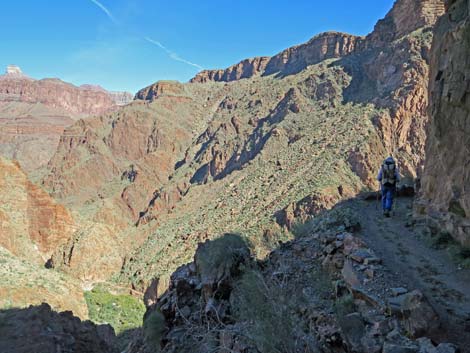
(172,54)
(105,10)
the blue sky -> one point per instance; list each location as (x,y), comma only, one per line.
(128,44)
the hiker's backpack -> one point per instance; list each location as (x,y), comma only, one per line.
(388,173)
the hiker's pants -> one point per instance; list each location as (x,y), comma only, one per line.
(387,197)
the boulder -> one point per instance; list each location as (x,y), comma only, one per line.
(414,308)
(353,329)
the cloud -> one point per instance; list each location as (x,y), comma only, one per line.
(172,54)
(105,10)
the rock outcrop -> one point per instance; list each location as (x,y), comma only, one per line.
(160,88)
(34,113)
(32,224)
(13,71)
(322,292)
(55,93)
(406,17)
(39,329)
(119,98)
(244,69)
(324,46)
(445,183)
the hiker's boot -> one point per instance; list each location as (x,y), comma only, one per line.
(387,213)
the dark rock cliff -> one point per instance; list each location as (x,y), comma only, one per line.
(446,192)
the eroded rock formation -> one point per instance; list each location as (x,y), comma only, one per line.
(34,113)
(324,46)
(160,88)
(32,224)
(187,161)
(41,330)
(445,182)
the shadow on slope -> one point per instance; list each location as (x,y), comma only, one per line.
(325,290)
(39,329)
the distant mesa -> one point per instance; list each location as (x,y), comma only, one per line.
(14,73)
(13,70)
(120,98)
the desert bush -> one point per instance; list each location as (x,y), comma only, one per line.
(265,307)
(154,328)
(344,306)
(338,218)
(218,258)
(442,240)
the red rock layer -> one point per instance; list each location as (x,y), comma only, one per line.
(324,46)
(57,94)
(32,224)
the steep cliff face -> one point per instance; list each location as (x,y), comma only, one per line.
(446,177)
(108,168)
(407,16)
(55,93)
(30,133)
(244,69)
(32,224)
(389,68)
(325,46)
(295,59)
(161,88)
(34,113)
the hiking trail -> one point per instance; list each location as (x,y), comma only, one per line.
(411,261)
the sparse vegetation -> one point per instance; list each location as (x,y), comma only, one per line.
(266,307)
(344,306)
(220,254)
(442,240)
(459,254)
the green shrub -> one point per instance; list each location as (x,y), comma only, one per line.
(344,306)
(218,257)
(123,312)
(154,328)
(460,255)
(442,240)
(266,309)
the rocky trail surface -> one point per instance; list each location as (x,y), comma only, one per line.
(350,281)
(410,260)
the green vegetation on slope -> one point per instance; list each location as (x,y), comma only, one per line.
(122,312)
(308,144)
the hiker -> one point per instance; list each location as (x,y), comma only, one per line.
(388,178)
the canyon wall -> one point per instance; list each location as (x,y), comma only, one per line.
(34,113)
(446,179)
(32,224)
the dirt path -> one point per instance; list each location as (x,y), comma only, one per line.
(411,261)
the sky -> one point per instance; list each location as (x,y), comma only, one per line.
(129,44)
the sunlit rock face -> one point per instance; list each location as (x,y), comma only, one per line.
(13,70)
